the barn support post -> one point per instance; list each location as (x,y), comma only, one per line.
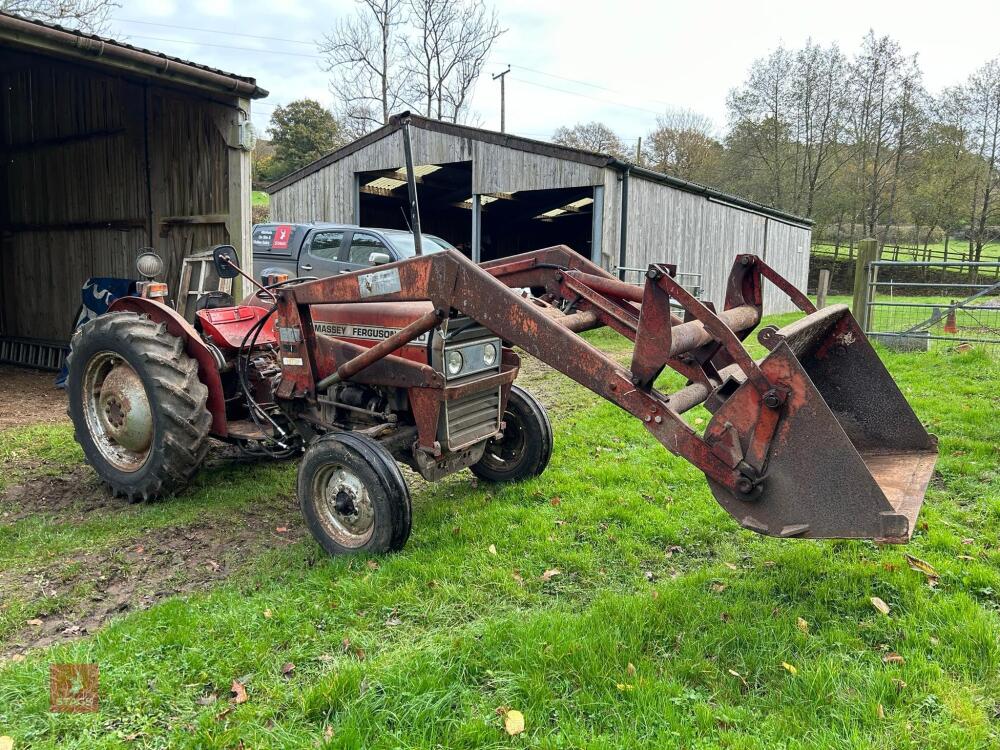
(597,229)
(239,217)
(623,237)
(477,228)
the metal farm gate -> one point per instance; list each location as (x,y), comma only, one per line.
(918,306)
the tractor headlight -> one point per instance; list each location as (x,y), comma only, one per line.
(454,362)
(490,355)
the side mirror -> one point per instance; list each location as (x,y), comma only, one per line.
(227,261)
(378,259)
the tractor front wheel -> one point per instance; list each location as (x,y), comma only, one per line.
(353,495)
(526,446)
(137,405)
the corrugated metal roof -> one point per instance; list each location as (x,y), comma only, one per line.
(92,47)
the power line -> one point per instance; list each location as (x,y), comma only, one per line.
(584,83)
(218,31)
(258,50)
(588,96)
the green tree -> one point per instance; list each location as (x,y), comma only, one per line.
(301,132)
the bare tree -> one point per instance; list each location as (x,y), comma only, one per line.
(981,95)
(591,136)
(447,51)
(364,52)
(885,95)
(86,15)
(683,145)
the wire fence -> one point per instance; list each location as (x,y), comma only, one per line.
(917,315)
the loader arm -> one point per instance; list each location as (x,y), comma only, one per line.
(769,416)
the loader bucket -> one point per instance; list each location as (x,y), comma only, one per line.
(848,458)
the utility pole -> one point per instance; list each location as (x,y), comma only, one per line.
(503,100)
(638,152)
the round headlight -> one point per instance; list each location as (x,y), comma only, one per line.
(489,354)
(454,362)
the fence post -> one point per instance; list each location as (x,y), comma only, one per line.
(867,252)
(822,288)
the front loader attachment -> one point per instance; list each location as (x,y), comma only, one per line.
(848,457)
(814,440)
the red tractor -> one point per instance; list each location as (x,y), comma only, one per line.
(414,362)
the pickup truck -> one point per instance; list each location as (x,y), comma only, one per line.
(319,249)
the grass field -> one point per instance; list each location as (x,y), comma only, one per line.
(665,626)
(957,251)
(260,198)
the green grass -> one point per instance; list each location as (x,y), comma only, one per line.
(260,198)
(667,626)
(957,250)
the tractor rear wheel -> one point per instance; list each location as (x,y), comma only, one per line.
(137,405)
(353,495)
(526,446)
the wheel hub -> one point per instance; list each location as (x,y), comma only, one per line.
(117,411)
(347,509)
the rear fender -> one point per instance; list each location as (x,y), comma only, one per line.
(208,371)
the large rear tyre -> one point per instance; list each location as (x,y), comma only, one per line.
(526,446)
(137,405)
(353,495)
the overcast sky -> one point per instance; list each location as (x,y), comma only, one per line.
(620,62)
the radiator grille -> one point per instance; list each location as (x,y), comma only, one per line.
(470,419)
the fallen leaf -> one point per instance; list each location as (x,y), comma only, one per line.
(326,658)
(732,566)
(968,540)
(239,693)
(287,668)
(213,565)
(880,605)
(555,501)
(966,557)
(17,657)
(549,574)
(518,577)
(359,654)
(880,712)
(672,550)
(346,645)
(624,687)
(493,549)
(501,710)
(513,722)
(6,743)
(393,621)
(630,669)
(922,566)
(892,658)
(267,614)
(698,420)
(140,550)
(791,669)
(900,684)
(328,733)
(372,564)
(725,616)
(738,676)
(207,700)
(718,588)
(935,641)
(36,622)
(282,529)
(656,594)
(803,625)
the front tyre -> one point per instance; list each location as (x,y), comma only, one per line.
(137,405)
(526,446)
(353,495)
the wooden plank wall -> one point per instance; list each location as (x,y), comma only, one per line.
(74,142)
(327,195)
(703,236)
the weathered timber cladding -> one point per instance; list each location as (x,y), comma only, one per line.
(93,164)
(665,223)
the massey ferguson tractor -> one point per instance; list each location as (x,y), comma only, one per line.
(414,362)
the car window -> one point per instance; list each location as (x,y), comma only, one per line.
(403,242)
(326,245)
(362,246)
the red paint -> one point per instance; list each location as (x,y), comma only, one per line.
(228,326)
(282,234)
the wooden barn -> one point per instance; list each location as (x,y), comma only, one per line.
(108,149)
(494,194)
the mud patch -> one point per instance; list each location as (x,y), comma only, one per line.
(75,596)
(29,397)
(72,496)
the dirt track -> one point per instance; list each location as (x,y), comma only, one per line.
(29,397)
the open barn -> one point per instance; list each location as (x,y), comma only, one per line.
(108,149)
(494,194)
